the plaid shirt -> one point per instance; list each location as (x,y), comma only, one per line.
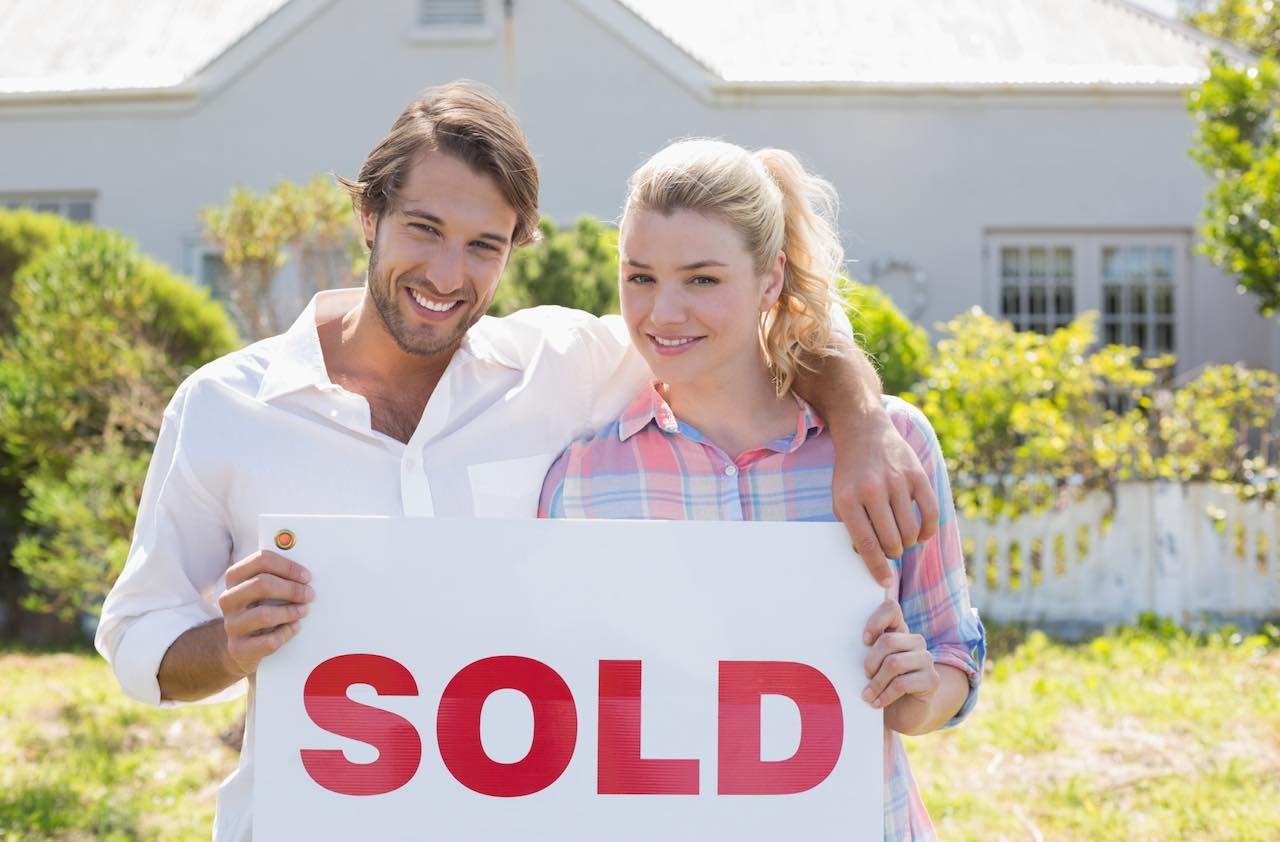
(650,464)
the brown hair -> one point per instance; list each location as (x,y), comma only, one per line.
(468,121)
(777,207)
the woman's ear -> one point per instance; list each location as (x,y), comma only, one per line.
(773,289)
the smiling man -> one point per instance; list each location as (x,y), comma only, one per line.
(402,398)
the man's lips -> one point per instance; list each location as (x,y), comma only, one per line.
(430,307)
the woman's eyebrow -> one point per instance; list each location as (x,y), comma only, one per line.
(700,264)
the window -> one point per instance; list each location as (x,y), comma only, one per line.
(433,14)
(1040,281)
(1138,296)
(1037,286)
(77,207)
(456,22)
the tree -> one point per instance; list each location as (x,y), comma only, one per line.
(256,233)
(574,267)
(1238,145)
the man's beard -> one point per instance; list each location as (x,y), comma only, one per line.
(424,341)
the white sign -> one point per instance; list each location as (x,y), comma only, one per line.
(570,680)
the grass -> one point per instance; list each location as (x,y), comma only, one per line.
(1142,734)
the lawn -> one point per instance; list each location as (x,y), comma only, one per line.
(1143,734)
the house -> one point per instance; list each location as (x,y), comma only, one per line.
(1026,156)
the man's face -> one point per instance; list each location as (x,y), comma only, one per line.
(438,254)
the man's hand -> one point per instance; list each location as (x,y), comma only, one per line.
(265,599)
(877,477)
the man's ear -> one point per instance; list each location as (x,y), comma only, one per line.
(369,227)
(773,289)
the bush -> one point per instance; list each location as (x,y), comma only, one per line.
(574,267)
(899,348)
(23,234)
(101,338)
(1021,416)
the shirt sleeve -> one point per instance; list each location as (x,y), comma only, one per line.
(181,549)
(932,588)
(551,502)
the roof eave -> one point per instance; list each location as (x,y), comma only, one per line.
(184,92)
(965,88)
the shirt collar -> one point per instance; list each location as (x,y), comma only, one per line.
(649,407)
(298,362)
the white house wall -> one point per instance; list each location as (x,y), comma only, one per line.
(923,177)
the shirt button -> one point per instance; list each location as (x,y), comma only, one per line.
(731,470)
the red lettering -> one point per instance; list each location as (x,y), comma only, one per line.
(555,726)
(397,741)
(741,771)
(621,770)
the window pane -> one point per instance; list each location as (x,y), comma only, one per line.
(1163,299)
(1111,299)
(1037,300)
(48,207)
(1112,332)
(1037,264)
(1138,334)
(1137,263)
(1111,271)
(1062,268)
(1064,300)
(1164,337)
(1138,299)
(1010,264)
(1010,305)
(80,212)
(1039,326)
(1162,263)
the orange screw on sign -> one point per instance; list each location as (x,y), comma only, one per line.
(285,539)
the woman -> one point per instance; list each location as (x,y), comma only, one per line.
(729,263)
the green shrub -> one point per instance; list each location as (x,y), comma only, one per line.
(574,267)
(899,348)
(1021,416)
(23,234)
(101,337)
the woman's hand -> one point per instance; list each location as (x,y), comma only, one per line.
(901,670)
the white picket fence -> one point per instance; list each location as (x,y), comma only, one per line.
(1187,551)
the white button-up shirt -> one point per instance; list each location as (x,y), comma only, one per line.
(264,430)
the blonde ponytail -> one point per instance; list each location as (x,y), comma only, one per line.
(797,331)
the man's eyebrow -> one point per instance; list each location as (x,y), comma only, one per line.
(700,264)
(435,220)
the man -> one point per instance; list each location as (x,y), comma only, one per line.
(400,398)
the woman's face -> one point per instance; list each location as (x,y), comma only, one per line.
(691,297)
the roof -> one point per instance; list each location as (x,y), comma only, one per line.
(931,42)
(101,45)
(94,47)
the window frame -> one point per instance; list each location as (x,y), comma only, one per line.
(1087,250)
(62,200)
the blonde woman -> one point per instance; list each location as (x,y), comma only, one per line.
(729,262)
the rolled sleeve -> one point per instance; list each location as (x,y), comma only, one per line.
(933,588)
(179,553)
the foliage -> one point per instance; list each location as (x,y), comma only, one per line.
(1026,418)
(1252,24)
(23,234)
(1019,414)
(1238,146)
(572,267)
(899,348)
(101,337)
(256,233)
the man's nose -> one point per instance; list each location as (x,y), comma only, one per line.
(447,271)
